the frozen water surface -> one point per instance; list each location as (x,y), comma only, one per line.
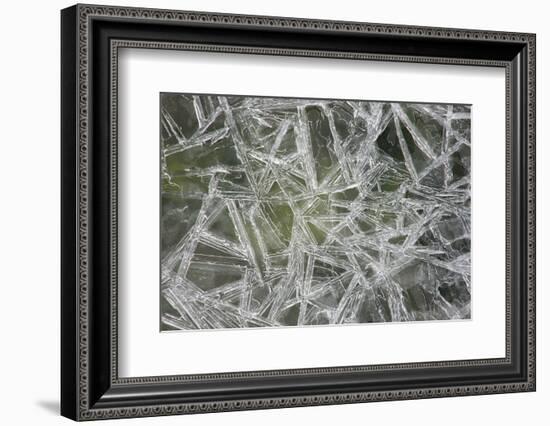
(296,212)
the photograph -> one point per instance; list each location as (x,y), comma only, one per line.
(296,212)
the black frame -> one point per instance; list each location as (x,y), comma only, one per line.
(90,38)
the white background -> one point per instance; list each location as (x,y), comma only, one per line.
(140,343)
(29,225)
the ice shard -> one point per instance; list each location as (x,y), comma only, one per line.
(298,212)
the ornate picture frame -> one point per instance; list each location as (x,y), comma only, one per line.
(91,38)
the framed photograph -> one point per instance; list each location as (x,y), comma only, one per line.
(263,212)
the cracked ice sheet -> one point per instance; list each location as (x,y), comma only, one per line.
(296,212)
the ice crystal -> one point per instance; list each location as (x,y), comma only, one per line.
(284,212)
